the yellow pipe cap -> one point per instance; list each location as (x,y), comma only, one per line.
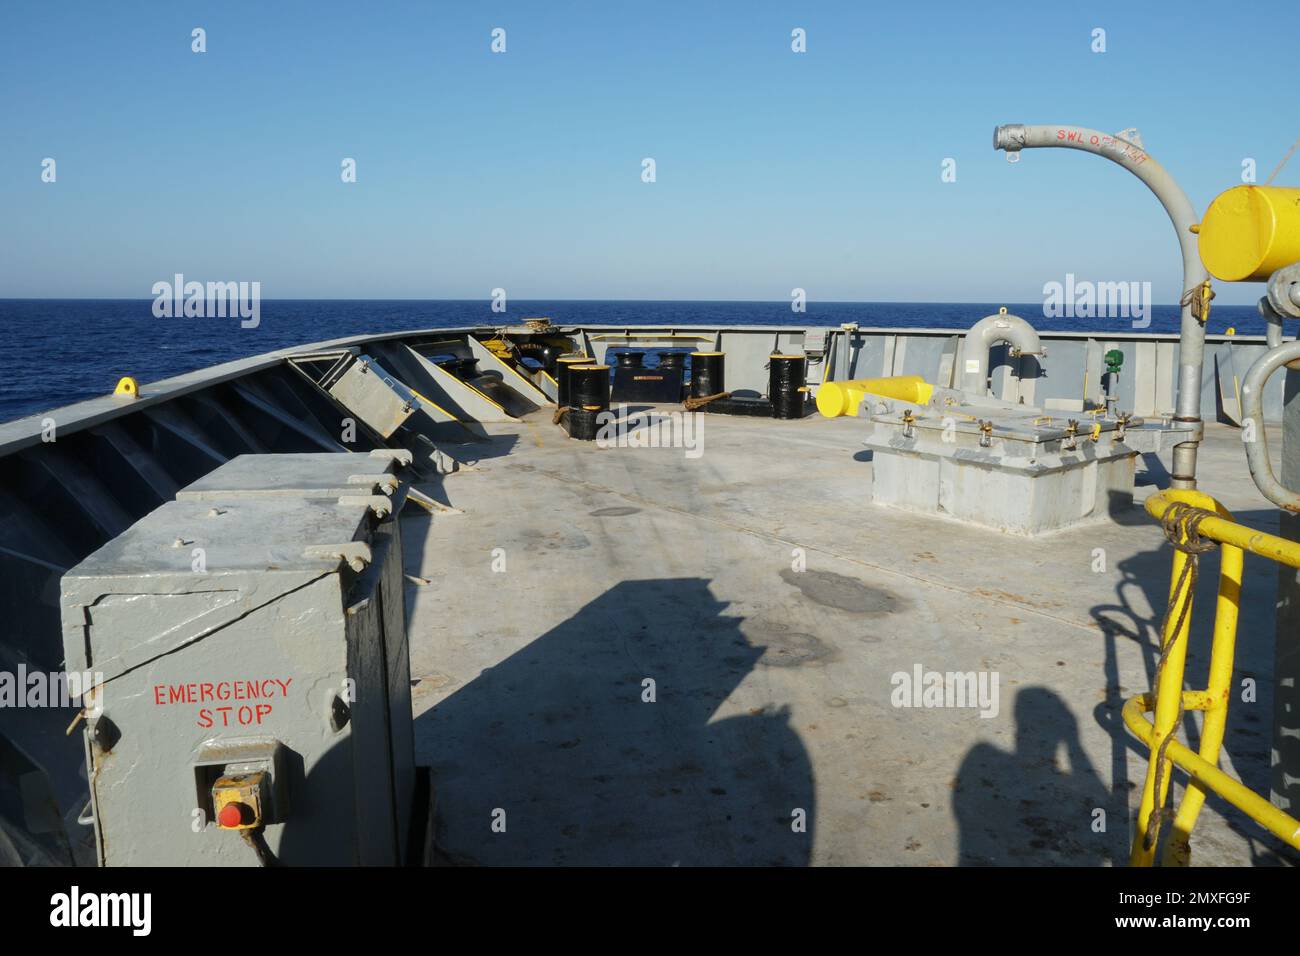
(1249,232)
(843,398)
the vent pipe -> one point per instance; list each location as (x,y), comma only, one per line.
(1126,150)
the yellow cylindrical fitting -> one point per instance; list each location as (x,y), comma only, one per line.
(1249,232)
(843,398)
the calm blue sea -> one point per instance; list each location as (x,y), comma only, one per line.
(57,351)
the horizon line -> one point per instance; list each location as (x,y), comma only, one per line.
(784,302)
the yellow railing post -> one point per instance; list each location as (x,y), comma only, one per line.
(1212,523)
(1169,696)
(1178,849)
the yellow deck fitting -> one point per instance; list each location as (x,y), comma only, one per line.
(843,398)
(128,387)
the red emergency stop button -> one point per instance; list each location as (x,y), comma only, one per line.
(231,816)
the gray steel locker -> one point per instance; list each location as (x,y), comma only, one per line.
(255,696)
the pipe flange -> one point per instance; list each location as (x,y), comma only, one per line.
(1011,137)
(1284,291)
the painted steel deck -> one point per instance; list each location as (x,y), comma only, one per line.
(773,686)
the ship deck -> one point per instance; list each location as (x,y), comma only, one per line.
(575,575)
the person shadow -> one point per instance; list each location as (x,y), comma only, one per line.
(1023,808)
(600,743)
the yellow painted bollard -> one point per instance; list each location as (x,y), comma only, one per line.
(843,398)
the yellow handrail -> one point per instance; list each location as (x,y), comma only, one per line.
(1205,519)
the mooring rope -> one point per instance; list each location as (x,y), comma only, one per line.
(1181,524)
(1198,298)
(691,403)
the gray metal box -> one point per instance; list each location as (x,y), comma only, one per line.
(373,479)
(301,475)
(373,395)
(254,630)
(1028,474)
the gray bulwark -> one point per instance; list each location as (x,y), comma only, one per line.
(258,628)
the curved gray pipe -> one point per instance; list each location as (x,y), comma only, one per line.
(1284,290)
(1282,302)
(1252,417)
(1002,327)
(1273,323)
(1139,162)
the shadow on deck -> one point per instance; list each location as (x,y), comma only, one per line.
(599,743)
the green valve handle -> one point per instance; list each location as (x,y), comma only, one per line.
(1114,361)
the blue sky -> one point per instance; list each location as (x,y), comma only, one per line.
(523,170)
